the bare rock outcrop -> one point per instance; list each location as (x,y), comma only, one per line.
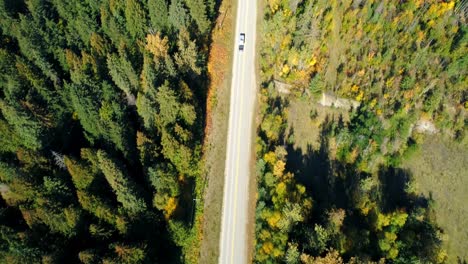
(331,100)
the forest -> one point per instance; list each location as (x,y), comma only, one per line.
(402,68)
(102,108)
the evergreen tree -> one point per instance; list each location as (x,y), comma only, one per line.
(178,16)
(136,21)
(158,14)
(72,144)
(25,125)
(15,247)
(122,73)
(198,10)
(167,188)
(187,58)
(123,187)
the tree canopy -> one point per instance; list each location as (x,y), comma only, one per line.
(345,199)
(101,124)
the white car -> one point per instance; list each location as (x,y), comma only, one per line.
(241,41)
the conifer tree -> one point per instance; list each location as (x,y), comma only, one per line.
(74,153)
(136,19)
(198,10)
(158,14)
(123,187)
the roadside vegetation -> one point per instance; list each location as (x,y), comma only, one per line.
(219,70)
(332,187)
(102,112)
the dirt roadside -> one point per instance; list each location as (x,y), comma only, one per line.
(217,118)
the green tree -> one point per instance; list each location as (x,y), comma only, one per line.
(158,13)
(178,17)
(163,111)
(124,188)
(292,254)
(187,58)
(88,256)
(198,10)
(15,247)
(25,125)
(80,20)
(167,188)
(129,254)
(136,19)
(122,73)
(114,117)
(85,101)
(73,150)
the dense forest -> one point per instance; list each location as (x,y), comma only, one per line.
(101,124)
(401,66)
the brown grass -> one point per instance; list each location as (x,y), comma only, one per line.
(220,71)
(335,46)
(440,169)
(306,131)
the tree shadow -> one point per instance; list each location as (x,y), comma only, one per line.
(333,184)
(394,182)
(185,210)
(324,179)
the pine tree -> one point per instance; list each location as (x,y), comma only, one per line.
(178,17)
(85,99)
(70,75)
(15,247)
(158,14)
(136,21)
(25,125)
(123,187)
(122,73)
(198,10)
(187,58)
(166,186)
(115,119)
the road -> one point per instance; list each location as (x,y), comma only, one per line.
(233,243)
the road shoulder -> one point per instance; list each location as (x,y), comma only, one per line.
(255,124)
(220,72)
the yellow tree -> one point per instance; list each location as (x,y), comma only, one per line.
(157,45)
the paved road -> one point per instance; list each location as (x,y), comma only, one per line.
(233,243)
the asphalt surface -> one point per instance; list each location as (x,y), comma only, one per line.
(233,243)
